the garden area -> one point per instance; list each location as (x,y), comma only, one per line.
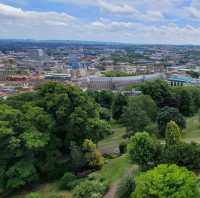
(61,142)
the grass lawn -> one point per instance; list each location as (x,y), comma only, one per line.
(111,143)
(192,131)
(115,169)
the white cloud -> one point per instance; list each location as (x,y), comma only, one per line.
(17,14)
(192,12)
(133,26)
(115,8)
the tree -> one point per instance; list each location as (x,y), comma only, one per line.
(134,118)
(119,104)
(184,100)
(173,133)
(166,115)
(160,92)
(167,181)
(104,98)
(142,149)
(147,104)
(36,132)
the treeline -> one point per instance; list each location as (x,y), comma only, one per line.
(46,132)
(158,104)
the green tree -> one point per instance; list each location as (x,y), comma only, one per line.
(167,181)
(142,149)
(147,104)
(184,100)
(36,132)
(134,118)
(160,92)
(173,134)
(166,115)
(104,98)
(119,104)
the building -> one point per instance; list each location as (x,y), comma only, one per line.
(180,80)
(117,83)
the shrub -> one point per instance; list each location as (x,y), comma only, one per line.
(67,181)
(123,147)
(183,154)
(92,155)
(33,195)
(126,186)
(167,181)
(90,189)
(173,133)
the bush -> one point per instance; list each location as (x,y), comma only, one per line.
(173,134)
(167,181)
(92,155)
(183,154)
(67,181)
(90,189)
(126,186)
(33,195)
(123,147)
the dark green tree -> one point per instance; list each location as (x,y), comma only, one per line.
(119,104)
(160,92)
(166,115)
(134,118)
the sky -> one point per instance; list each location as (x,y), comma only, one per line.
(127,21)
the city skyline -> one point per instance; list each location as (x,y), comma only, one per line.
(125,21)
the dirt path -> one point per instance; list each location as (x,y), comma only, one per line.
(112,191)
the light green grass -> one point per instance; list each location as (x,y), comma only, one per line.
(192,131)
(112,142)
(115,169)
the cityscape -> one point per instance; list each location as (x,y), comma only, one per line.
(94,66)
(100,99)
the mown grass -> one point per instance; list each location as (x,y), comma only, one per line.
(115,169)
(111,143)
(192,131)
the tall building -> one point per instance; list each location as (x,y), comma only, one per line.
(73,61)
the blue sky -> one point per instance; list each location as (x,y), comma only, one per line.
(130,21)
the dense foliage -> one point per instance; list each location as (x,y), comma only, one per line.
(160,92)
(143,149)
(167,181)
(134,118)
(37,130)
